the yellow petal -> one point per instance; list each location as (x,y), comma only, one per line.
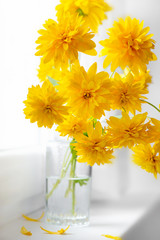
(106,62)
(25,231)
(154,57)
(61,231)
(111,237)
(98,130)
(92,70)
(32,219)
(65,46)
(91,52)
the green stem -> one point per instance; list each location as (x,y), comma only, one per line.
(65,156)
(52,190)
(73,198)
(65,167)
(68,161)
(112,74)
(65,161)
(71,185)
(150,104)
(71,175)
(73,188)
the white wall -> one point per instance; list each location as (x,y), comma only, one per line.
(149,11)
(22,182)
(21,170)
(123,177)
(19,23)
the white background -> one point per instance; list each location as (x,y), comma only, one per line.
(19,22)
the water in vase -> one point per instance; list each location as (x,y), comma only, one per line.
(67,200)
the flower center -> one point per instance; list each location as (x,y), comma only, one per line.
(48,109)
(97,148)
(124,98)
(87,95)
(65,38)
(154,159)
(75,128)
(131,43)
(132,132)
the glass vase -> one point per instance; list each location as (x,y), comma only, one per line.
(68,186)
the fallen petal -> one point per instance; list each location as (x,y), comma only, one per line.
(32,219)
(61,231)
(111,237)
(25,231)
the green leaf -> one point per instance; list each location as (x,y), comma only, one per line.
(94,122)
(82,182)
(103,131)
(85,134)
(80,12)
(53,81)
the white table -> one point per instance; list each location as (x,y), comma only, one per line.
(116,218)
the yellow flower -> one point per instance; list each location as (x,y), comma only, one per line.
(126,93)
(128,131)
(59,232)
(128,45)
(45,70)
(93,11)
(147,157)
(44,105)
(60,42)
(24,231)
(33,219)
(87,92)
(94,148)
(143,77)
(154,128)
(62,77)
(72,126)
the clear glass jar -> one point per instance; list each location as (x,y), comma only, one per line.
(68,186)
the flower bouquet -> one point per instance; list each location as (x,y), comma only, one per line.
(75,99)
